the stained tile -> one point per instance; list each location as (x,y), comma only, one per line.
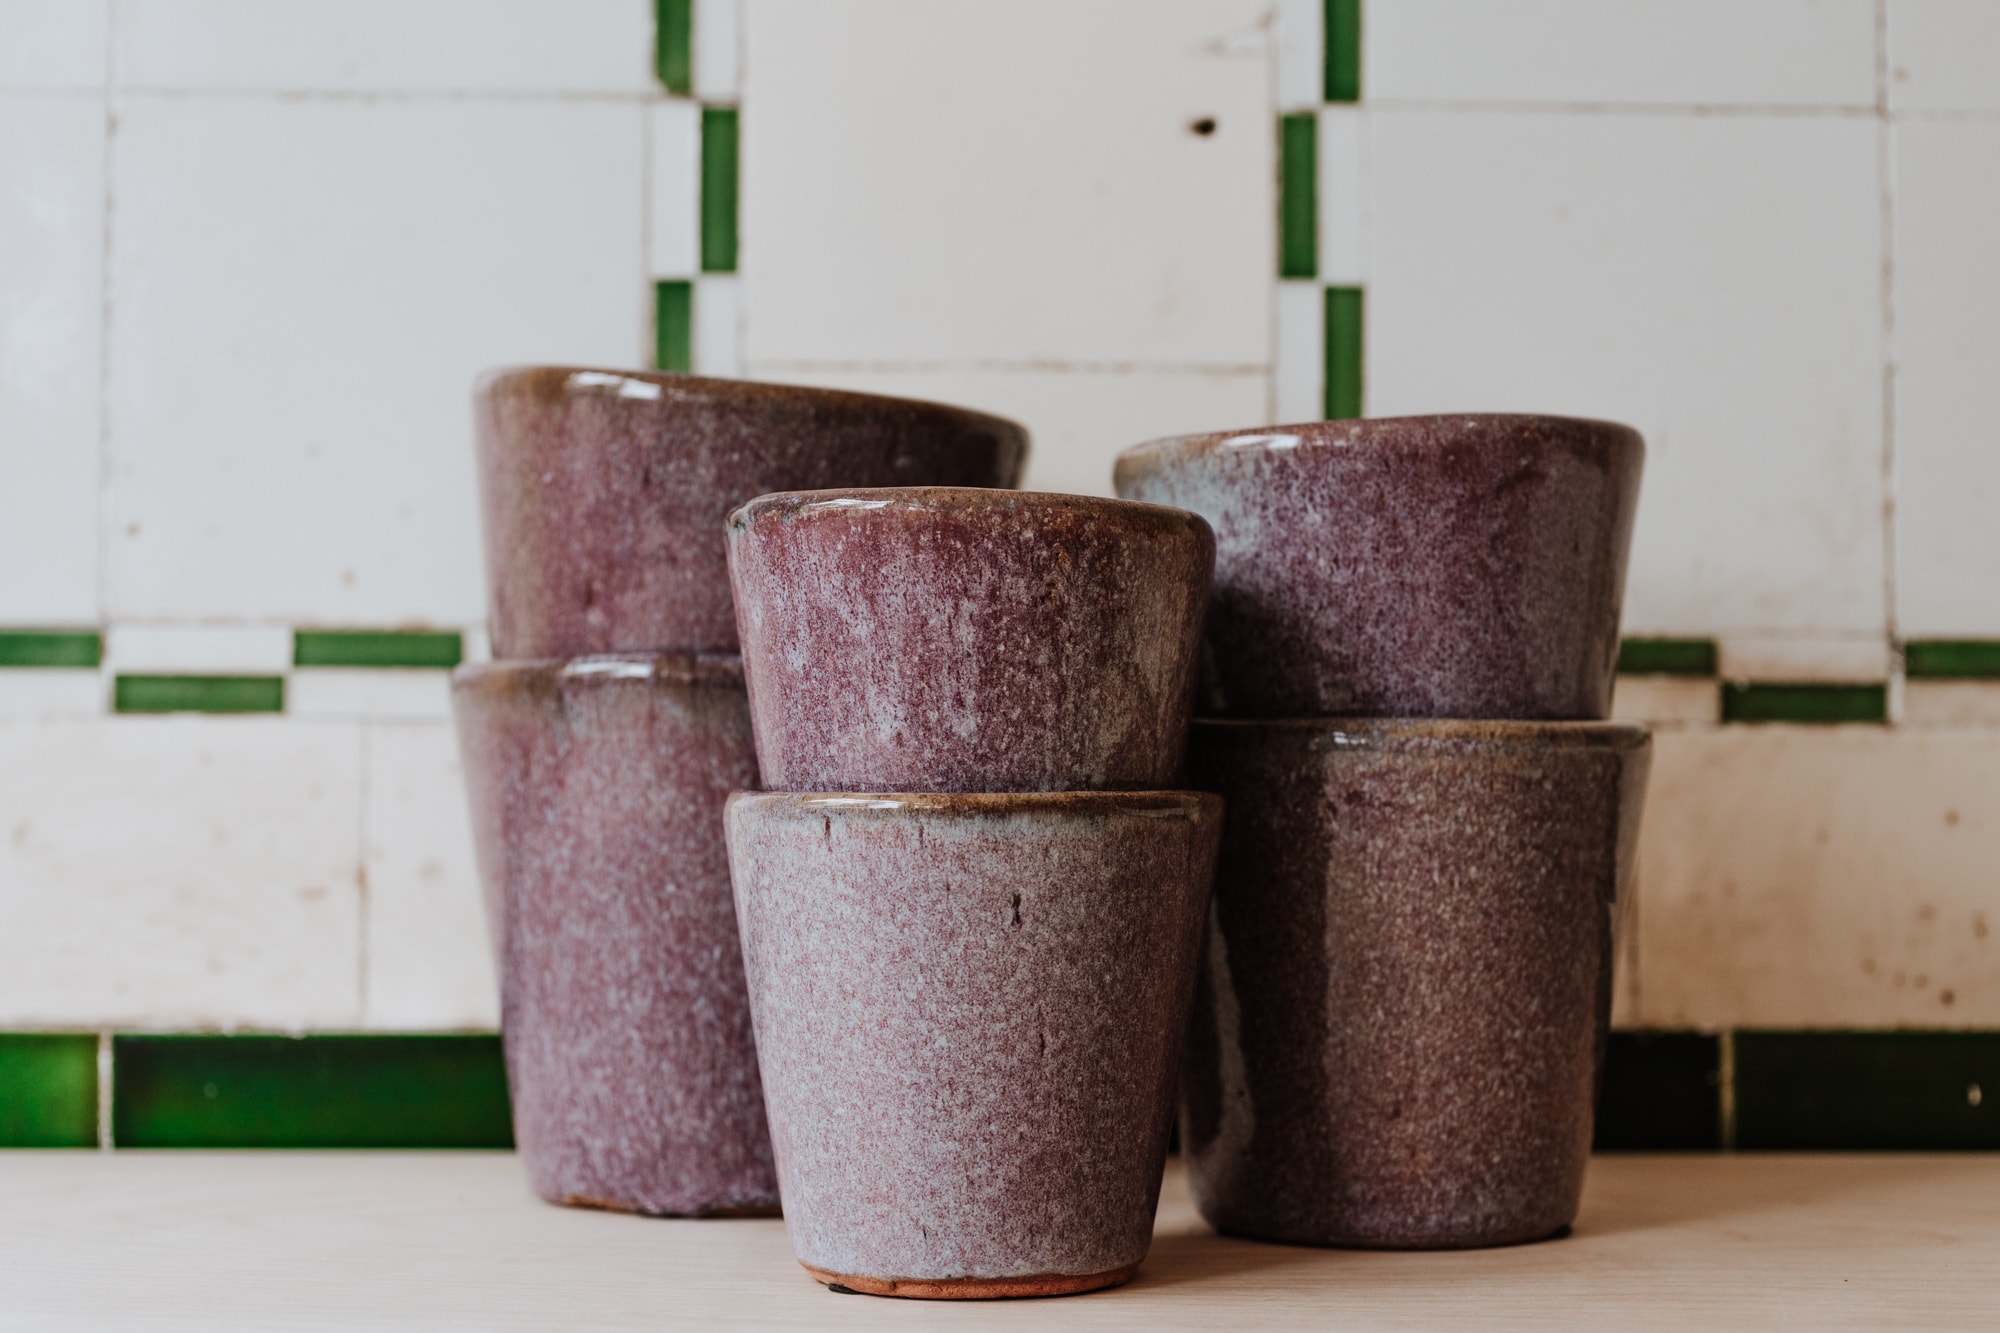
(1667,700)
(1867,1091)
(198,694)
(53,44)
(437,649)
(1828,658)
(1942,54)
(1936,703)
(1661,1093)
(48,1090)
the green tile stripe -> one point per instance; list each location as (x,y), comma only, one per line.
(1882,1091)
(1298,196)
(377,648)
(1804,703)
(311,1092)
(1952,659)
(50,648)
(1343,50)
(1343,353)
(673,44)
(673,325)
(1661,1092)
(718,189)
(48,1090)
(1666,657)
(198,694)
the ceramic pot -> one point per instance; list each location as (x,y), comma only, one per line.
(1407,987)
(969,1011)
(952,640)
(603,492)
(597,788)
(1451,566)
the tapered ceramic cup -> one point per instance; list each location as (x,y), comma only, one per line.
(603,492)
(954,640)
(969,1010)
(597,789)
(1466,566)
(1403,1008)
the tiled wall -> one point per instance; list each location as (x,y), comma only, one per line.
(252,253)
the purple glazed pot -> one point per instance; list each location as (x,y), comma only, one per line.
(604,492)
(597,789)
(969,1011)
(951,640)
(1404,1002)
(1451,566)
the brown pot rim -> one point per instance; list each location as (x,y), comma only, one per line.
(975,1288)
(1392,733)
(1306,438)
(965,503)
(600,671)
(978,805)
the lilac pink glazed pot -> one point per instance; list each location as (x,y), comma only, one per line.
(597,789)
(1452,566)
(1403,1007)
(603,492)
(970,1010)
(953,640)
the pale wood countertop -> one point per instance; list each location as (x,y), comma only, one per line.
(453,1240)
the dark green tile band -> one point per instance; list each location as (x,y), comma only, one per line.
(1868,1091)
(718,189)
(310,1092)
(1804,703)
(1343,353)
(377,648)
(48,1090)
(1343,50)
(1666,657)
(1952,659)
(1662,1092)
(1298,196)
(198,694)
(673,325)
(50,648)
(673,44)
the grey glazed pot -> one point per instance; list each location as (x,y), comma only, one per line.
(1451,566)
(603,492)
(954,640)
(1403,1008)
(597,788)
(969,1010)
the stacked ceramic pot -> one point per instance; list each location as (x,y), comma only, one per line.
(971,903)
(1408,660)
(601,744)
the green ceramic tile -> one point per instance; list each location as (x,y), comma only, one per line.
(1804,703)
(1666,657)
(1869,1091)
(310,1092)
(718,189)
(673,44)
(1298,196)
(198,694)
(50,648)
(443,649)
(1662,1092)
(1952,659)
(48,1090)
(673,325)
(1343,50)
(1343,353)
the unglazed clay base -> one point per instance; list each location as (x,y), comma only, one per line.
(976,1288)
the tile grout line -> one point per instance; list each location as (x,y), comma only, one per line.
(1725,1089)
(104,470)
(363,896)
(1885,157)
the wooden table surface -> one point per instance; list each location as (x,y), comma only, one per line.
(454,1241)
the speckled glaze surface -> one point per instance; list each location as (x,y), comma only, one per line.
(950,640)
(969,1010)
(603,492)
(597,789)
(1468,566)
(1403,1005)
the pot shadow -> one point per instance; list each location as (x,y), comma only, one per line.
(1193,1253)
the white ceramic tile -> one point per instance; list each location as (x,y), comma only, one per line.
(675,134)
(1301,63)
(370,693)
(717,60)
(180,872)
(1018,183)
(1943,55)
(541,46)
(1299,373)
(718,335)
(51,317)
(429,963)
(33,692)
(253,648)
(1713,280)
(52,43)
(304,293)
(1343,196)
(1078,422)
(1941,703)
(1667,700)
(1768,53)
(1821,877)
(1947,279)
(1749,656)
(475,644)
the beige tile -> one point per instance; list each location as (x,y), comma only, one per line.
(1951,703)
(1802,657)
(1667,700)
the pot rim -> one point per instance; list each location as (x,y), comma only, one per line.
(977,805)
(962,503)
(1376,733)
(601,671)
(1308,438)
